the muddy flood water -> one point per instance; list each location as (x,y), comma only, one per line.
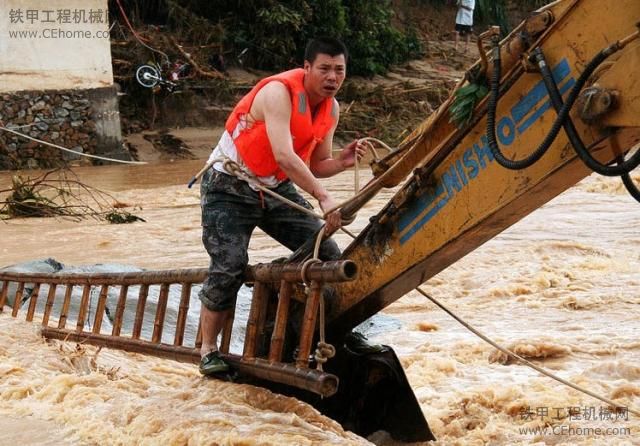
(561,287)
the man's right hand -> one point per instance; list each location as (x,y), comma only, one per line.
(333,221)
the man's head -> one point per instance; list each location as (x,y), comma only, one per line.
(325,65)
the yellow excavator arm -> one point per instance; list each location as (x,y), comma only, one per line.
(458,195)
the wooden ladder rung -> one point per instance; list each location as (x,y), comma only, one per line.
(18,299)
(64,312)
(117,320)
(255,322)
(102,304)
(158,324)
(49,305)
(280,326)
(309,324)
(142,302)
(183,311)
(3,294)
(33,301)
(84,307)
(227,330)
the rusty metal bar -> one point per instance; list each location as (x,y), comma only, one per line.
(33,301)
(280,325)
(102,303)
(84,304)
(158,324)
(17,301)
(62,322)
(142,302)
(309,324)
(183,310)
(226,332)
(321,383)
(49,305)
(334,271)
(122,300)
(258,306)
(3,294)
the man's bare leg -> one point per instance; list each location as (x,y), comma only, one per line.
(212,323)
(466,42)
(455,47)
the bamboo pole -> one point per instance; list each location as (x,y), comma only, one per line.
(62,322)
(183,311)
(280,326)
(142,302)
(158,324)
(199,333)
(253,322)
(333,271)
(192,275)
(33,301)
(3,295)
(18,299)
(321,383)
(102,303)
(84,306)
(122,300)
(309,324)
(49,305)
(226,332)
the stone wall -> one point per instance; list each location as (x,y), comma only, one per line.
(74,119)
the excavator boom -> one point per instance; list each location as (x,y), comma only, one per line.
(458,196)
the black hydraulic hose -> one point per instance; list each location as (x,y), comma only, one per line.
(628,182)
(491,124)
(623,167)
(563,113)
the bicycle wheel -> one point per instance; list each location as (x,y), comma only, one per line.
(148,76)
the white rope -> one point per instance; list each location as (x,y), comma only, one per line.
(69,150)
(523,360)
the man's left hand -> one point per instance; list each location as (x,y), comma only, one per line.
(348,154)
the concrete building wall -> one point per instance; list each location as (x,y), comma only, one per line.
(56,82)
(54,44)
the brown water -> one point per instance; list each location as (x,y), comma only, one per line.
(562,286)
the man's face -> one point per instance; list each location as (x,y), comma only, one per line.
(324,76)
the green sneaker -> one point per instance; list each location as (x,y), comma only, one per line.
(212,363)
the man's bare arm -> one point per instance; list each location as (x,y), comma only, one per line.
(322,164)
(273,105)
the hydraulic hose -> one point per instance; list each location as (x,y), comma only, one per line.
(563,114)
(628,182)
(623,167)
(491,123)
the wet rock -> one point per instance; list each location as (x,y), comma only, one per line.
(61,112)
(42,126)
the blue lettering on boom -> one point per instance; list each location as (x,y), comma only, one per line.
(476,158)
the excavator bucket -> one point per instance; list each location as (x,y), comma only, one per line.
(374,395)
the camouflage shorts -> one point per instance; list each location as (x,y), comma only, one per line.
(231,210)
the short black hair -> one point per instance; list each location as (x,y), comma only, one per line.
(325,45)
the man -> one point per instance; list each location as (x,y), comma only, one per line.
(282,133)
(464,21)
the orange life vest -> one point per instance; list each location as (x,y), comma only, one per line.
(252,142)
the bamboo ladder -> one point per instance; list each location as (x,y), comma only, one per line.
(264,278)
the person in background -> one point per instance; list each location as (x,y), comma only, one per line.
(280,133)
(464,22)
